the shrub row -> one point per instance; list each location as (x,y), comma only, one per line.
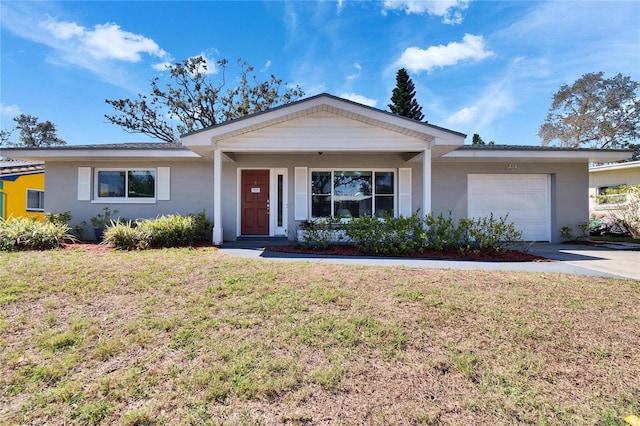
(164,231)
(29,234)
(406,235)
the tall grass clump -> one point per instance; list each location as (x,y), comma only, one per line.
(28,234)
(164,231)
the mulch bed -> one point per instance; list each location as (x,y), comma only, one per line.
(450,254)
(347,250)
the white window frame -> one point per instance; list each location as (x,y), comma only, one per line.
(40,200)
(126,199)
(599,203)
(357,169)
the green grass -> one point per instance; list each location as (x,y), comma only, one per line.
(615,239)
(183,336)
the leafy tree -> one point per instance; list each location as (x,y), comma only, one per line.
(403,97)
(477,140)
(594,111)
(194,102)
(32,133)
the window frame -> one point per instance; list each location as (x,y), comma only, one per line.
(600,197)
(373,172)
(126,199)
(40,200)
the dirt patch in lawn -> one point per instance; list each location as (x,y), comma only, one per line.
(94,246)
(448,254)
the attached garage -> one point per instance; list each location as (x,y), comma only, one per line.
(526,198)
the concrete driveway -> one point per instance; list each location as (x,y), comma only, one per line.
(617,259)
(605,261)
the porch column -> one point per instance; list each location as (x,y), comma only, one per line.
(217,197)
(426,182)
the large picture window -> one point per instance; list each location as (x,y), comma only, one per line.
(126,184)
(352,193)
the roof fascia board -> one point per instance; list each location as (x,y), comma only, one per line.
(493,154)
(70,154)
(34,172)
(617,166)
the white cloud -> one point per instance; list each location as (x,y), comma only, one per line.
(356,74)
(290,21)
(465,115)
(103,42)
(449,10)
(359,99)
(495,102)
(62,30)
(471,48)
(266,66)
(162,66)
(211,66)
(9,110)
(101,50)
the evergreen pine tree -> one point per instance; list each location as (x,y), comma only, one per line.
(402,98)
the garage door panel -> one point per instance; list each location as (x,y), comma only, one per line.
(525,198)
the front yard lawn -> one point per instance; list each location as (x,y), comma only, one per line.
(191,336)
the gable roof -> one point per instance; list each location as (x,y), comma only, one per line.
(325,102)
(418,135)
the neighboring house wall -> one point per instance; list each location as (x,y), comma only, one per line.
(190,191)
(568,182)
(610,176)
(13,195)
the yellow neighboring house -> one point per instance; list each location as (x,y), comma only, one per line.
(21,189)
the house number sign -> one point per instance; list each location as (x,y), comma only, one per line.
(255,190)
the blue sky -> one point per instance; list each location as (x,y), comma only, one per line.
(487,67)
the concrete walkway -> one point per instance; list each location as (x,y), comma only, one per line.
(605,261)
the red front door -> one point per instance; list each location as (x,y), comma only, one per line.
(255,202)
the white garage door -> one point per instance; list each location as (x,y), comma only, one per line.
(526,198)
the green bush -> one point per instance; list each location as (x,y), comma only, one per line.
(406,235)
(490,232)
(319,233)
(126,236)
(203,227)
(58,218)
(390,235)
(29,234)
(164,231)
(442,232)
